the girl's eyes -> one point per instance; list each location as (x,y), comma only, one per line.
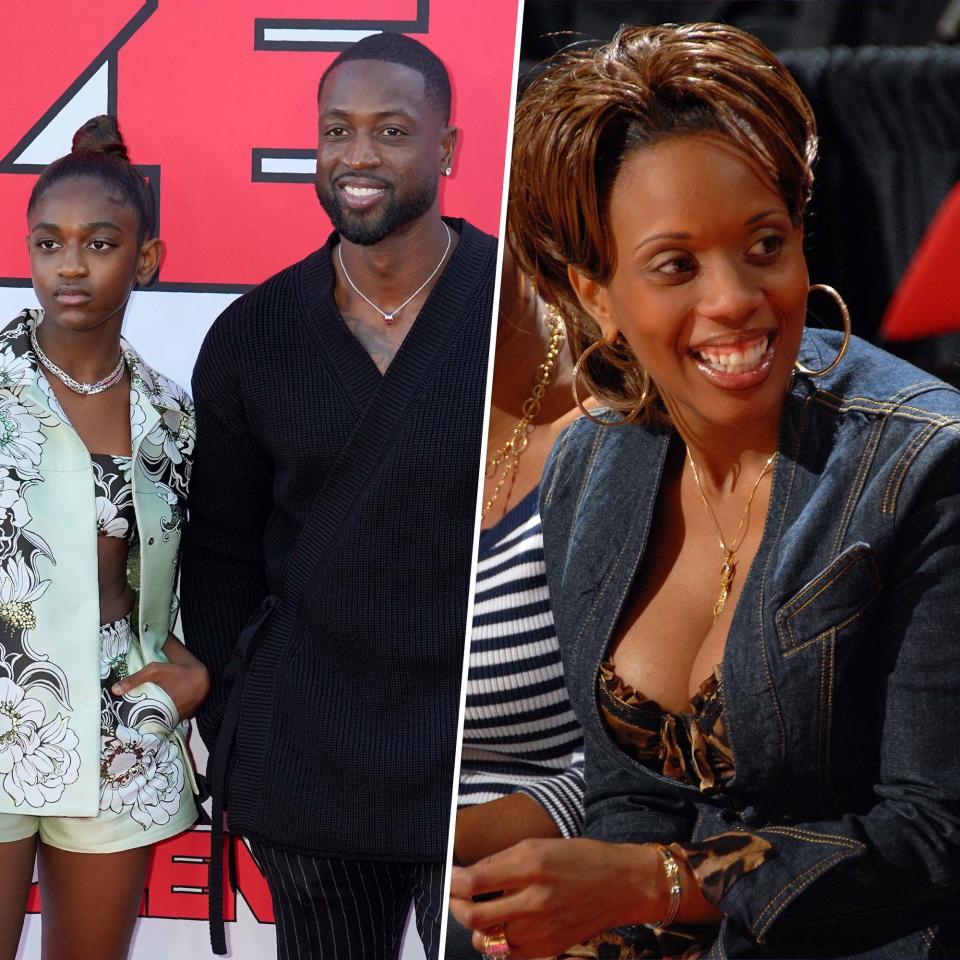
(98,245)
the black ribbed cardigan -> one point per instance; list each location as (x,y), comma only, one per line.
(347,725)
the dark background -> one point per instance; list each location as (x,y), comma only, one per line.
(780,24)
(883,77)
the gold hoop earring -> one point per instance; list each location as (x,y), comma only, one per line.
(847,329)
(578,366)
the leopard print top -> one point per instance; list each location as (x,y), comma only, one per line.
(691,747)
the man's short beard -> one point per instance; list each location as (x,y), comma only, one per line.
(366,229)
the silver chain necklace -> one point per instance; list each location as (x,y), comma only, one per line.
(84,389)
(389,316)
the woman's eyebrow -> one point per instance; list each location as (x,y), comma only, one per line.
(663,236)
(757,217)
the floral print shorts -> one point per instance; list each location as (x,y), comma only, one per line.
(146,782)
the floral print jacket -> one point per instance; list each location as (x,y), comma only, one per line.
(50,671)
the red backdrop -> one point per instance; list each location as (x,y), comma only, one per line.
(196,98)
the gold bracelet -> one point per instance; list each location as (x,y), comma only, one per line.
(675,884)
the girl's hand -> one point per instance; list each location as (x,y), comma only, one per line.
(185,679)
(557,893)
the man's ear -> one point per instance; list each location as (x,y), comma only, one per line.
(448,143)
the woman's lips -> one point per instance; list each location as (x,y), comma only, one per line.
(737,365)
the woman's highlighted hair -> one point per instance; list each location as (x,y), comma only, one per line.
(589,110)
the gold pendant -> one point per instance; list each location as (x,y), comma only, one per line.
(726,579)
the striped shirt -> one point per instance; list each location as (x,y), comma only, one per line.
(519,730)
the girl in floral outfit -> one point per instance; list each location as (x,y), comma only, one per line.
(95,452)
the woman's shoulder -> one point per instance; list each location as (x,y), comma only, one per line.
(870,380)
(907,418)
(581,440)
(589,457)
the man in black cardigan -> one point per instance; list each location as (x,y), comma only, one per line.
(326,566)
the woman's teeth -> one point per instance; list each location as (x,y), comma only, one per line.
(734,361)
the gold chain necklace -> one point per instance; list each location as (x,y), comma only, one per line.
(729,553)
(506,459)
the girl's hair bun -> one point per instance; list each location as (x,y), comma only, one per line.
(99,153)
(100,135)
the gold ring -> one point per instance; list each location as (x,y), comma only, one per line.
(495,944)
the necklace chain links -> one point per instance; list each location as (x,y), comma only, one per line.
(388,316)
(84,389)
(506,459)
(729,565)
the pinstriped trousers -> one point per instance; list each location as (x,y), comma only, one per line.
(349,909)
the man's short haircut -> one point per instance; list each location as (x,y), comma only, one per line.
(397,48)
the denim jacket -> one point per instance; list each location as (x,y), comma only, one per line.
(841,674)
(51,658)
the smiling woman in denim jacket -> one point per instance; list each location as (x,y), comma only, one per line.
(756,573)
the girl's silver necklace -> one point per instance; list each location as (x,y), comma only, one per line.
(84,389)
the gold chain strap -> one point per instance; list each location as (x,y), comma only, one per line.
(506,460)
